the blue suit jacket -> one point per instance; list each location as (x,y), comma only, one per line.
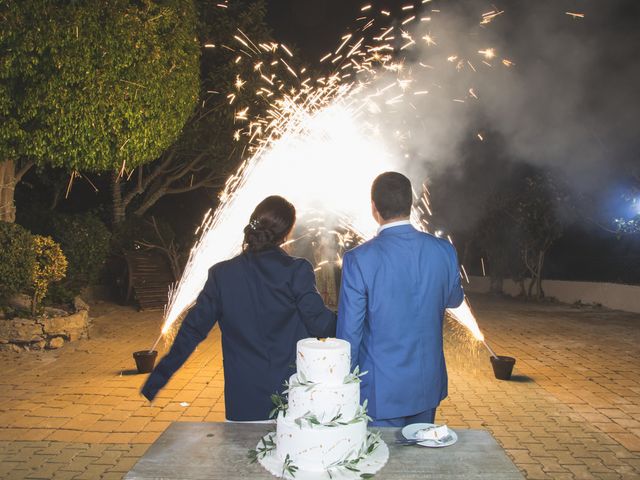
(395,289)
(265,302)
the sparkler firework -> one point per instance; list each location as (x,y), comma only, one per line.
(320,144)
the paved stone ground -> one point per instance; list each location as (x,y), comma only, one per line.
(572,410)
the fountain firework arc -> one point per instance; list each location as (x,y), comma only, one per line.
(332,130)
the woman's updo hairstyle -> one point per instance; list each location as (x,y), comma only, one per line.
(269,225)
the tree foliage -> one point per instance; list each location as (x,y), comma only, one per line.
(50,266)
(85,242)
(17,258)
(210,147)
(520,224)
(95,85)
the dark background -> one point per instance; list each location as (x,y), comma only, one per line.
(595,56)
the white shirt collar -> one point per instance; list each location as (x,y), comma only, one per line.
(393,224)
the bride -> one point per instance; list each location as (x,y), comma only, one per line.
(264,301)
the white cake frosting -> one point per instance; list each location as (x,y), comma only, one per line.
(324,422)
(324,401)
(315,448)
(325,361)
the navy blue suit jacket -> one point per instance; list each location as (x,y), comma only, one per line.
(395,289)
(264,302)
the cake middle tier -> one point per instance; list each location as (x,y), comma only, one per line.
(317,447)
(323,361)
(325,401)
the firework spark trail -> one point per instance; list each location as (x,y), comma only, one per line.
(289,167)
(316,147)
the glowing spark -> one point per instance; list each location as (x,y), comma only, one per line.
(209,45)
(242,114)
(384,34)
(452,58)
(239,83)
(429,39)
(365,8)
(355,47)
(284,47)
(484,272)
(345,39)
(463,315)
(507,63)
(241,41)
(487,53)
(472,93)
(289,68)
(408,20)
(480,137)
(464,271)
(489,16)
(575,15)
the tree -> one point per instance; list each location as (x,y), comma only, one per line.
(497,237)
(92,85)
(519,226)
(535,212)
(206,152)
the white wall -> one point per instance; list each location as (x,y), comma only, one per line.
(610,295)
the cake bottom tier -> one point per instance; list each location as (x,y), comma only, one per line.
(314,448)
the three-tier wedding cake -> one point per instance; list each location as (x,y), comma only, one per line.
(322,430)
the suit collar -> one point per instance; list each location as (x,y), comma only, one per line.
(393,224)
(397,229)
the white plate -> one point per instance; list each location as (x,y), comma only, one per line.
(409,432)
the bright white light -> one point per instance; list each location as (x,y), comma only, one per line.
(464,315)
(324,161)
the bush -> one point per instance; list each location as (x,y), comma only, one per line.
(85,242)
(17,258)
(50,266)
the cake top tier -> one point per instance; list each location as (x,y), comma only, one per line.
(323,361)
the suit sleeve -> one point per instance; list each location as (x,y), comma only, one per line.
(319,320)
(352,307)
(456,294)
(194,329)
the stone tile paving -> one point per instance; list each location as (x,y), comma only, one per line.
(572,411)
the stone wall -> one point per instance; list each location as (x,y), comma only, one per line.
(48,332)
(611,295)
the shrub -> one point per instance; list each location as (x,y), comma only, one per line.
(50,266)
(16,259)
(85,242)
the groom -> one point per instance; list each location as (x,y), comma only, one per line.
(395,289)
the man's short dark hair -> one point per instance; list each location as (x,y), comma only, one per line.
(392,195)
